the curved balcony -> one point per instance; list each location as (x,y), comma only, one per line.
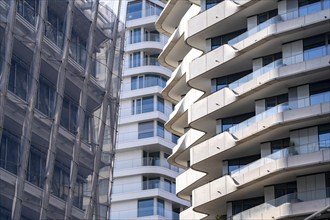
(126,116)
(141,194)
(188,181)
(171,15)
(234,57)
(141,21)
(226,144)
(130,140)
(180,153)
(145,165)
(176,49)
(148,69)
(131,214)
(127,93)
(148,45)
(209,197)
(294,204)
(222,18)
(176,85)
(178,119)
(256,85)
(189,214)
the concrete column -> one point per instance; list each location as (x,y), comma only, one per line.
(252,22)
(229,209)
(265,149)
(256,64)
(269,193)
(260,106)
(25,143)
(293,52)
(224,167)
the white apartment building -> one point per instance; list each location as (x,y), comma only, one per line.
(251,81)
(144,182)
(58,80)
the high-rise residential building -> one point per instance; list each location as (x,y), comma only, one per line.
(144,182)
(59,87)
(252,87)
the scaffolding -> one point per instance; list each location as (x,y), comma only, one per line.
(88,75)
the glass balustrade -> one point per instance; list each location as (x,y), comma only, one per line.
(255,74)
(297,197)
(304,102)
(143,185)
(146,161)
(286,152)
(133,213)
(124,112)
(308,9)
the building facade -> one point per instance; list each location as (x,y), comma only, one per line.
(59,69)
(251,83)
(144,182)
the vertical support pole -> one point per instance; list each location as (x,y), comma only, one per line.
(81,113)
(25,143)
(103,118)
(60,87)
(6,63)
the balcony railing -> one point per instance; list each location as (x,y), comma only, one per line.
(144,185)
(146,161)
(257,211)
(321,97)
(283,153)
(277,19)
(255,74)
(129,111)
(151,61)
(134,214)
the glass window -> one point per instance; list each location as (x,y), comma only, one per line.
(316,46)
(266,16)
(135,35)
(224,81)
(9,153)
(271,58)
(160,207)
(175,138)
(319,92)
(245,204)
(135,59)
(279,144)
(28,9)
(147,104)
(151,183)
(151,158)
(167,185)
(275,100)
(134,10)
(134,83)
(160,104)
(19,78)
(237,163)
(324,136)
(309,6)
(160,129)
(36,169)
(223,39)
(145,207)
(211,3)
(227,123)
(146,129)
(46,98)
(285,189)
